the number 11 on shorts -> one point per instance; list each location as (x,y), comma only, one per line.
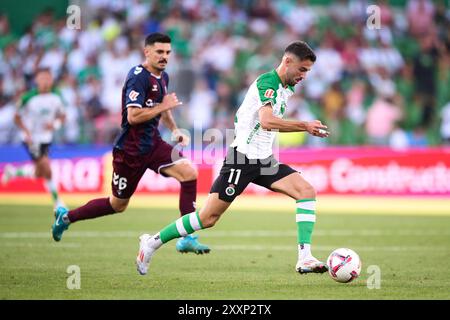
(238,175)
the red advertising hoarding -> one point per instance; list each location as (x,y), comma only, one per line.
(368,171)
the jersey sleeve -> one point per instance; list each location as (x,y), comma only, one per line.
(267,90)
(61,104)
(23,101)
(136,88)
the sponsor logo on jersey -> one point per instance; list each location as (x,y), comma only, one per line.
(133,95)
(137,70)
(269,93)
(283,108)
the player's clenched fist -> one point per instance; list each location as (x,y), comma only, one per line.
(170,101)
(316,128)
(180,137)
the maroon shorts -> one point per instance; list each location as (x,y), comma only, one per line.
(129,169)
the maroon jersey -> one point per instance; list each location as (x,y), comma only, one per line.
(142,89)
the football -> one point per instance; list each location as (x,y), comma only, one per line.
(344,265)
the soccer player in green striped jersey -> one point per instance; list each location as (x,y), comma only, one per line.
(250,159)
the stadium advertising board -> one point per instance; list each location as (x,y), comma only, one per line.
(377,171)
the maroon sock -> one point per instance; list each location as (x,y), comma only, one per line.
(188,195)
(93,209)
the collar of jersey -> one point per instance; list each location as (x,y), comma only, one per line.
(154,75)
(151,73)
(279,79)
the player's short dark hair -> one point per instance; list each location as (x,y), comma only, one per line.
(156,37)
(302,50)
(42,69)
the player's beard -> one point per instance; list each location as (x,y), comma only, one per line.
(292,82)
(159,68)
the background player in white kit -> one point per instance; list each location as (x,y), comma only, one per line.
(250,159)
(40,112)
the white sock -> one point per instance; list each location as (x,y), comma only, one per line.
(304,251)
(51,188)
(155,242)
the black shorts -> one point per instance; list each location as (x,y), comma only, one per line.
(37,151)
(238,171)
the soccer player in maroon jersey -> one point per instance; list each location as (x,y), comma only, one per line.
(145,101)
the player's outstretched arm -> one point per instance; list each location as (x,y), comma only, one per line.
(140,115)
(19,123)
(270,122)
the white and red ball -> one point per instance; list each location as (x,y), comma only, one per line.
(344,265)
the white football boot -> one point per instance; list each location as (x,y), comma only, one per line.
(310,265)
(144,255)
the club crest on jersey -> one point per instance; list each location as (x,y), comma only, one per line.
(133,95)
(149,103)
(269,93)
(155,87)
(137,70)
(230,190)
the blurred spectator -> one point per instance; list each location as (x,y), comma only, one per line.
(300,11)
(53,59)
(445,124)
(381,120)
(420,16)
(262,14)
(358,74)
(339,11)
(399,138)
(333,101)
(382,82)
(355,111)
(425,65)
(349,55)
(384,56)
(403,139)
(6,37)
(7,111)
(201,106)
(261,60)
(329,65)
(69,92)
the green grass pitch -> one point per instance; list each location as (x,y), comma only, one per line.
(253,257)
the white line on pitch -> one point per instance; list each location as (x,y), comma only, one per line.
(235,233)
(325,248)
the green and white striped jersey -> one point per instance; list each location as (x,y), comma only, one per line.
(37,110)
(250,138)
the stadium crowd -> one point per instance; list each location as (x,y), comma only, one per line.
(386,86)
